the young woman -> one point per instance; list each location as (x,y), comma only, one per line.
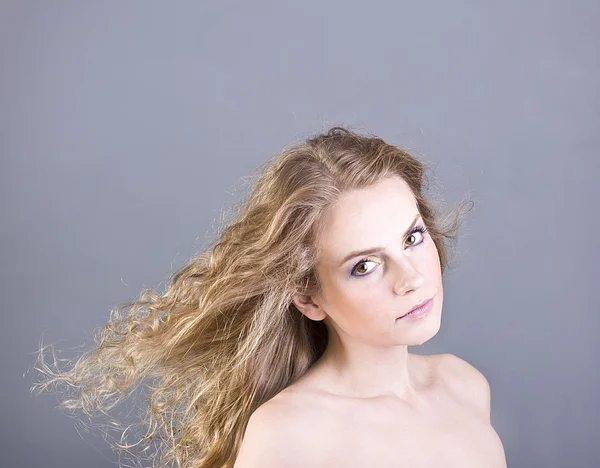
(285,343)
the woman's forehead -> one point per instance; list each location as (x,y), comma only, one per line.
(367,216)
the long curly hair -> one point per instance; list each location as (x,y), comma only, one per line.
(225,337)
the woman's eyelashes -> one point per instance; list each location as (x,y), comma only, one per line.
(420,229)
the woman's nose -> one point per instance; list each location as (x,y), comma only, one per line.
(407,277)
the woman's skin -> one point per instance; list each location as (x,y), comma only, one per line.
(368,402)
(367,354)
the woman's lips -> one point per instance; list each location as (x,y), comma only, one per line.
(419,310)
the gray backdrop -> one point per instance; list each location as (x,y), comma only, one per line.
(126,127)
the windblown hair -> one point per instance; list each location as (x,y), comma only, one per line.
(225,336)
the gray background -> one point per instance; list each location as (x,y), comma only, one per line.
(126,127)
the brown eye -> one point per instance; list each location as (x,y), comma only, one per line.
(419,229)
(412,235)
(361,267)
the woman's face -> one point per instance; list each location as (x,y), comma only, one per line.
(364,295)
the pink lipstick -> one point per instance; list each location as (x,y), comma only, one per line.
(419,311)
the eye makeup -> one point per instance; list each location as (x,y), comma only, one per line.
(414,230)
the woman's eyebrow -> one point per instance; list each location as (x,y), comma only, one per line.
(373,250)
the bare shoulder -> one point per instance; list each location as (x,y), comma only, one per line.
(275,435)
(468,381)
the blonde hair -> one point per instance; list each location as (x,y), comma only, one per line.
(225,337)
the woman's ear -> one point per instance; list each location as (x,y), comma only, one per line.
(308,307)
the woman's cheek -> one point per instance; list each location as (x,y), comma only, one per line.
(433,263)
